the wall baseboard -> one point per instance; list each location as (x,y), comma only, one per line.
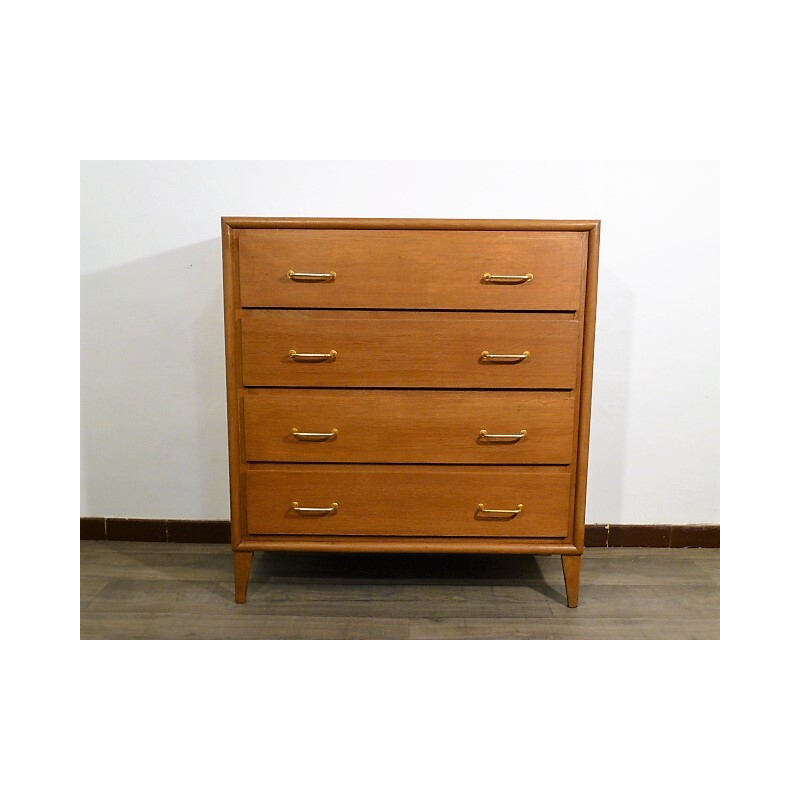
(114,529)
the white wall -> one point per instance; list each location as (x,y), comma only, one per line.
(153,367)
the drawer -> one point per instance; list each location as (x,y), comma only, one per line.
(408,501)
(408,426)
(408,349)
(412,269)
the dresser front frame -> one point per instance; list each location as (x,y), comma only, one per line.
(586,315)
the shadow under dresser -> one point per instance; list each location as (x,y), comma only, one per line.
(399,385)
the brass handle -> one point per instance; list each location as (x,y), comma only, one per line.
(295,356)
(487,356)
(505,437)
(487,278)
(510,512)
(317,436)
(311,276)
(331,509)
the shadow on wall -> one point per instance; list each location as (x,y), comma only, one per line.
(153,413)
(610,397)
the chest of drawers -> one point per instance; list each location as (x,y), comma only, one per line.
(409,386)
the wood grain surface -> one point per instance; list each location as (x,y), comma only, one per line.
(408,500)
(413,427)
(133,590)
(409,349)
(412,269)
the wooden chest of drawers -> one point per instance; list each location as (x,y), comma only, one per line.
(409,385)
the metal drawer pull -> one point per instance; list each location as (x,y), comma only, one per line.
(311,276)
(487,356)
(318,436)
(505,437)
(306,510)
(487,278)
(511,512)
(295,356)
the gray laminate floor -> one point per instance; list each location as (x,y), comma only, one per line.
(185,591)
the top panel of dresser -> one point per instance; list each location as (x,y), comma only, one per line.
(412,269)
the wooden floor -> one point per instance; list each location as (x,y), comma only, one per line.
(185,591)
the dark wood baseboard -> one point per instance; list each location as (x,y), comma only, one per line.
(652,535)
(114,529)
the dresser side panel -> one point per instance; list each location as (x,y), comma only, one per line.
(233,382)
(589,319)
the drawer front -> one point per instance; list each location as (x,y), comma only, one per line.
(408,501)
(407,349)
(330,425)
(412,269)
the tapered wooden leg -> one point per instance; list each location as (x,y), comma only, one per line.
(572,578)
(241,570)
